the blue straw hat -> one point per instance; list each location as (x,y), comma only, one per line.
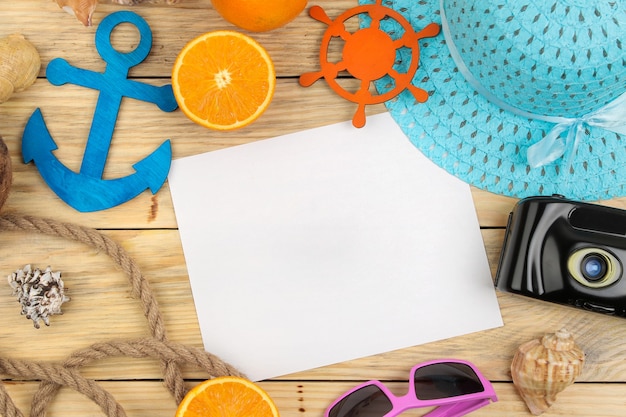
(526,97)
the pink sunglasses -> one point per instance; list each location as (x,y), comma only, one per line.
(454,386)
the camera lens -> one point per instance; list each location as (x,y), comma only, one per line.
(593,267)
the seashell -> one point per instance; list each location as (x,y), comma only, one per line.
(41,293)
(19,65)
(543,368)
(82,9)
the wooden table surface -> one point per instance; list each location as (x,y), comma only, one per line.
(102,307)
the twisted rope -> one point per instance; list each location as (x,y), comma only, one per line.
(54,376)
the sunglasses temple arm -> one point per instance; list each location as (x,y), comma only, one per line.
(458,409)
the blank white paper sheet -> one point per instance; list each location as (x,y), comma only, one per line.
(328,245)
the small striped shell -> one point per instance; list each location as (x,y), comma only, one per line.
(544,367)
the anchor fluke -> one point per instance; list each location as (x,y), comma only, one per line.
(33,145)
(153,169)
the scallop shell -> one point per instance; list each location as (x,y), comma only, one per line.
(19,65)
(544,367)
(82,9)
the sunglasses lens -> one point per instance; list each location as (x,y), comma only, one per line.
(369,401)
(444,380)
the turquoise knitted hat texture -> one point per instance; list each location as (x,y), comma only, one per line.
(525,97)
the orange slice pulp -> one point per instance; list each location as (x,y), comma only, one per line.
(227,396)
(223,80)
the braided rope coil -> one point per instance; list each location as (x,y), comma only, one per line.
(54,376)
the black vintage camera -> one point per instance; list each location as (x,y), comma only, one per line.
(566,252)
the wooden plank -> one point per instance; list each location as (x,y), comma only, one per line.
(68,111)
(294,48)
(139,130)
(101,309)
(310,399)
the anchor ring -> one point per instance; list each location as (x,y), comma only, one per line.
(103,39)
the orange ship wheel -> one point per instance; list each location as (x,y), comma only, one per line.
(368,55)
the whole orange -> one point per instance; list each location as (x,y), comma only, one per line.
(259,15)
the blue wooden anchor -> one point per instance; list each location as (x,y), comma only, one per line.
(87,191)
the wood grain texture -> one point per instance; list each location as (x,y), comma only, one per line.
(102,308)
(310,399)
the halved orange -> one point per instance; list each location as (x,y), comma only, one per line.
(227,396)
(223,80)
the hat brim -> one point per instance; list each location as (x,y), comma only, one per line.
(480,143)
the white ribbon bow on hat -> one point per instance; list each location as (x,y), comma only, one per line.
(610,117)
